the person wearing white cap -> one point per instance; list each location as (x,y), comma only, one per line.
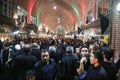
(18,50)
(17,47)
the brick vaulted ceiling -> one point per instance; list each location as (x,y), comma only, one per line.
(52,13)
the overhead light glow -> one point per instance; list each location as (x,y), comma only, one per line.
(93,19)
(18,7)
(118,7)
(58,19)
(54,7)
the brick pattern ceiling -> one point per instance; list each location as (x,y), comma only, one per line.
(66,13)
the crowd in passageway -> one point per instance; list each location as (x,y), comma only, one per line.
(57,59)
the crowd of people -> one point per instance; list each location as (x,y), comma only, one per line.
(57,59)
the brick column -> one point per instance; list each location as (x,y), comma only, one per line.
(115,29)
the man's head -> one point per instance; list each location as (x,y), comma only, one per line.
(26,48)
(35,46)
(69,49)
(96,46)
(45,56)
(84,50)
(77,50)
(108,54)
(96,58)
(30,75)
(6,44)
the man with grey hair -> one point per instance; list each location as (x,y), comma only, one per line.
(67,65)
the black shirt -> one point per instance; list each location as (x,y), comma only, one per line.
(97,73)
(111,70)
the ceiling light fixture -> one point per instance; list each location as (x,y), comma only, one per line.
(54,7)
(58,21)
(58,18)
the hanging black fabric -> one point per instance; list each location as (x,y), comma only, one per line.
(104,23)
(79,30)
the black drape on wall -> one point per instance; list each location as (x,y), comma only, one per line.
(104,23)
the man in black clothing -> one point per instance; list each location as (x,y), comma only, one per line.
(36,51)
(46,67)
(23,63)
(6,57)
(67,65)
(1,45)
(109,66)
(84,62)
(118,67)
(96,71)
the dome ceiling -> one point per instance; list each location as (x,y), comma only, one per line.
(53,13)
